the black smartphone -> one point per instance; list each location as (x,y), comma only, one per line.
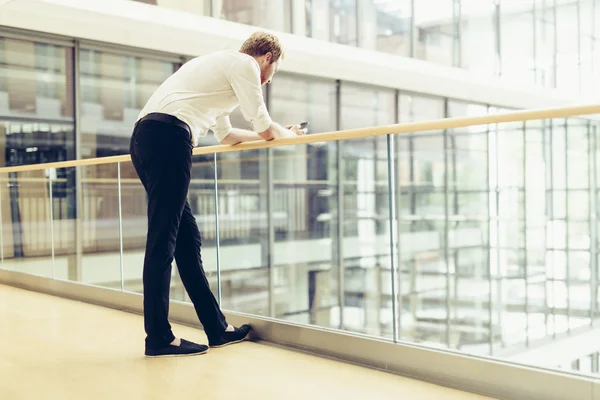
(303,125)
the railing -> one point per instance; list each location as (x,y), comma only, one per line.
(481,240)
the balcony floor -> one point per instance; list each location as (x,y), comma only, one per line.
(54,348)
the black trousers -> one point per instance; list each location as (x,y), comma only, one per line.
(161,153)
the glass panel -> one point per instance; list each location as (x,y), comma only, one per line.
(96,225)
(538,310)
(296,98)
(342,17)
(579,235)
(201,7)
(516,41)
(27,229)
(244,230)
(534,261)
(437,39)
(579,289)
(6,243)
(114,89)
(468,231)
(368,286)
(270,14)
(478,37)
(578,163)
(305,205)
(385,26)
(567,48)
(135,227)
(508,316)
(363,107)
(99,221)
(424,288)
(367,303)
(201,197)
(545,43)
(332,20)
(36,102)
(585,365)
(415,108)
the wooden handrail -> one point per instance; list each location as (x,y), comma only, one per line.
(409,127)
(222,182)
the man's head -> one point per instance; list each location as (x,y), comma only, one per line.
(267,51)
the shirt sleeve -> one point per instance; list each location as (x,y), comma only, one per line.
(222,127)
(245,82)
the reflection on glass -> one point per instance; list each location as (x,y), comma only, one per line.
(305,203)
(36,102)
(134,206)
(86,240)
(420,209)
(201,197)
(385,26)
(551,44)
(201,7)
(68,266)
(437,33)
(99,222)
(332,20)
(26,223)
(34,80)
(509,272)
(6,245)
(416,108)
(478,50)
(366,247)
(517,54)
(305,206)
(243,232)
(468,231)
(114,89)
(271,14)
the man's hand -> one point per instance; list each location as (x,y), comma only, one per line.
(296,129)
(277,131)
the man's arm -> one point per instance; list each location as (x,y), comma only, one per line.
(245,82)
(236,136)
(275,130)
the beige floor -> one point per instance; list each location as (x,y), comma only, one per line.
(52,348)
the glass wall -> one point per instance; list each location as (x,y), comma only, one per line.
(420,210)
(547,43)
(270,14)
(386,26)
(496,251)
(114,89)
(365,206)
(304,203)
(36,102)
(202,7)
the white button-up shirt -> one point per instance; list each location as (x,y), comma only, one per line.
(206,89)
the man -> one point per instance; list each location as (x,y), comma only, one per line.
(197,98)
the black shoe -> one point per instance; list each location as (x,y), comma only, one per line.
(184,349)
(227,338)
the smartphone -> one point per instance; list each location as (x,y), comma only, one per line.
(303,125)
